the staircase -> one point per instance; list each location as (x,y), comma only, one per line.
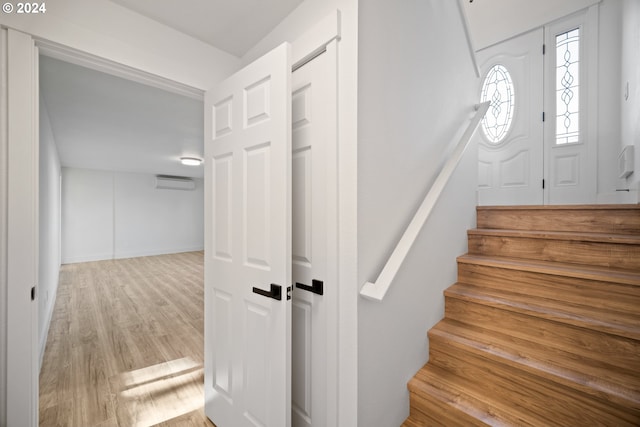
(542,327)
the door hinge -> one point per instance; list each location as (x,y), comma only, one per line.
(33,293)
(543,184)
(544,48)
(543,116)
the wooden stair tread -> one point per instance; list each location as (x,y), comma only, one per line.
(586,375)
(607,250)
(590,272)
(547,402)
(544,281)
(543,325)
(606,348)
(459,393)
(409,422)
(622,324)
(625,239)
(623,219)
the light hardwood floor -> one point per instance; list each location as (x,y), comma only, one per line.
(125,345)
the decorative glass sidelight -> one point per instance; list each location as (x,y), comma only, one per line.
(567,87)
(498,89)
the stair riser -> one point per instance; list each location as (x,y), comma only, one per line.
(556,404)
(621,221)
(605,348)
(589,293)
(626,256)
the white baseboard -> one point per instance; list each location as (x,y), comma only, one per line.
(618,197)
(130,254)
(87,258)
(45,334)
(135,254)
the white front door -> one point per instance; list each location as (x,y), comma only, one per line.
(248,245)
(510,141)
(313,144)
(570,131)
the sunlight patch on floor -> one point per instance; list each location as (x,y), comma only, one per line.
(159,393)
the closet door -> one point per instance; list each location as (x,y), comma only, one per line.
(248,245)
(313,154)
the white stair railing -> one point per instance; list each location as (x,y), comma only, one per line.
(378,289)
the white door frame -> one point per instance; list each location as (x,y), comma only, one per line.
(342,405)
(22,165)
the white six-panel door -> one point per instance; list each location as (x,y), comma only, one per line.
(248,245)
(312,112)
(511,171)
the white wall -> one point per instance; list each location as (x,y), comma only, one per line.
(630,109)
(49,249)
(150,221)
(609,136)
(108,215)
(417,88)
(87,215)
(492,21)
(112,32)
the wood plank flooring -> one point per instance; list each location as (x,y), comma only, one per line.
(125,345)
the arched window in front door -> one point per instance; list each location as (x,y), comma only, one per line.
(498,89)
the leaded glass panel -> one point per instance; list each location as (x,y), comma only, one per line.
(567,87)
(498,89)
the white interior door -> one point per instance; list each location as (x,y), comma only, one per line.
(510,142)
(312,112)
(248,245)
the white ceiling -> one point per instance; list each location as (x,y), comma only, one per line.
(104,122)
(231,25)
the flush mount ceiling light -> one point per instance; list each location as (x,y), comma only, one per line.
(190,161)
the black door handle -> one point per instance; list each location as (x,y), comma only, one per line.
(275,292)
(317,287)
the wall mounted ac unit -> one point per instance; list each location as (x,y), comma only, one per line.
(170,182)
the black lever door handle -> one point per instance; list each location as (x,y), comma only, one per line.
(275,292)
(317,287)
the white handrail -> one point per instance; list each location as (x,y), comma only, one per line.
(377,290)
